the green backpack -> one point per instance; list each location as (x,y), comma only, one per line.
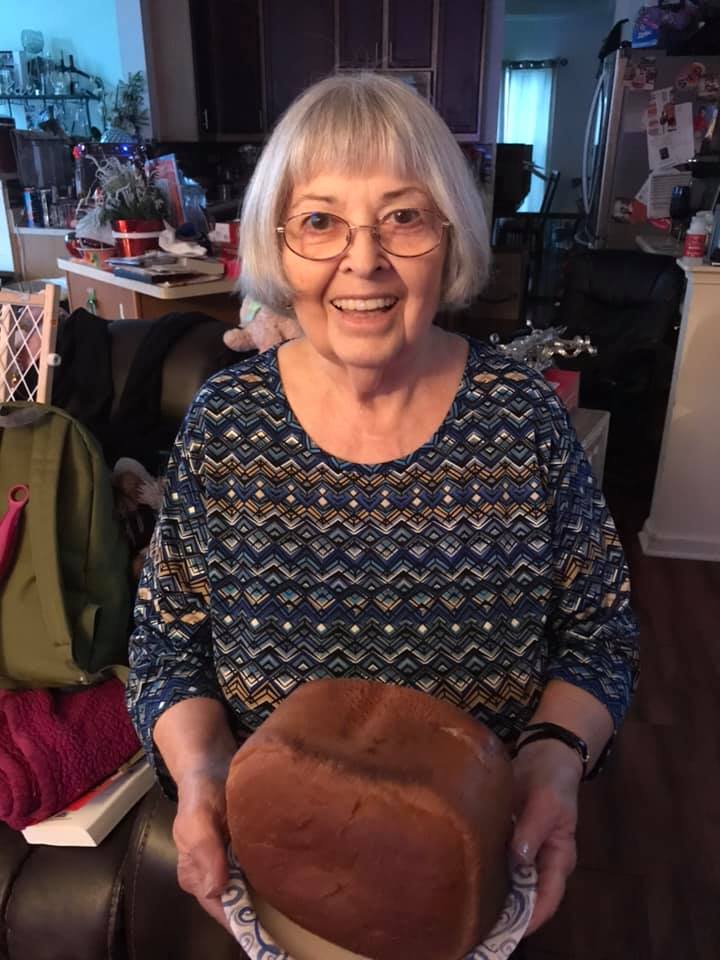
(65,605)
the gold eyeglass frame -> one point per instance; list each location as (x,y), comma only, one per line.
(352,230)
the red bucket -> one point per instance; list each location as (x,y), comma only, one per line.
(133,237)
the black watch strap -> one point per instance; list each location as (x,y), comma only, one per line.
(553,731)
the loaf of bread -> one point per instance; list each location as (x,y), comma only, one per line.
(377,818)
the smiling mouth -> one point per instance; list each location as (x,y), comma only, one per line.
(365,305)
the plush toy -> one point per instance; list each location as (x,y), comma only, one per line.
(138,497)
(260,328)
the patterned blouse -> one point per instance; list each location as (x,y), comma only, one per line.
(475,569)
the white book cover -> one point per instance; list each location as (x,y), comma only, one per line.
(89,819)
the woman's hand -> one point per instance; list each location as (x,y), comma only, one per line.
(200,835)
(547,777)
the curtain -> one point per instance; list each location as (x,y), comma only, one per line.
(526,117)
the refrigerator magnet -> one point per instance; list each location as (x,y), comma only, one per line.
(641,74)
(709,86)
(690,76)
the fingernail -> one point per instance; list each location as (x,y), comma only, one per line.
(523,851)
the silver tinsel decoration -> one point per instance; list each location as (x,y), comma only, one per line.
(538,348)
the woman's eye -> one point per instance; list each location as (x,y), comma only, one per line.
(405,217)
(318,221)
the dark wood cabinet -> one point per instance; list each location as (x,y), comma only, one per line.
(299,44)
(410,33)
(228,80)
(459,67)
(253,57)
(360,34)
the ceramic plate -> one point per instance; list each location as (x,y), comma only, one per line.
(257,943)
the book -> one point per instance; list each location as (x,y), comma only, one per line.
(88,820)
(155,274)
(184,270)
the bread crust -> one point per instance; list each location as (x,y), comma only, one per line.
(377,818)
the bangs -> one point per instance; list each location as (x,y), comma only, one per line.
(351,133)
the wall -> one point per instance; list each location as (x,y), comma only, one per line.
(492,71)
(104,36)
(86,28)
(171,78)
(577,36)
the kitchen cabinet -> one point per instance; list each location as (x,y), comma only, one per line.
(299,45)
(360,34)
(228,79)
(459,66)
(410,33)
(385,34)
(111,297)
(253,57)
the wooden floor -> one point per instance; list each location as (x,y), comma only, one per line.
(647,885)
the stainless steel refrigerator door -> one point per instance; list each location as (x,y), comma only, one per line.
(596,136)
(602,207)
(630,168)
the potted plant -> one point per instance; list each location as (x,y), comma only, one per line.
(124,113)
(128,208)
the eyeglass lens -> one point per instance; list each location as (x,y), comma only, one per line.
(322,236)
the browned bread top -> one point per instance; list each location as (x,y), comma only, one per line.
(376,817)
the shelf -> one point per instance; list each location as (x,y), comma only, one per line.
(21,97)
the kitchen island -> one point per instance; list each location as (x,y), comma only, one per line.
(113,298)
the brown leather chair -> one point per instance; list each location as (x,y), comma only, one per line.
(121,900)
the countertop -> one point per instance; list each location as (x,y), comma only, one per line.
(179,292)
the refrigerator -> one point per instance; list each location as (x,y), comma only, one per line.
(616,157)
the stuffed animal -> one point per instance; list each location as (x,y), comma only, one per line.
(260,328)
(138,498)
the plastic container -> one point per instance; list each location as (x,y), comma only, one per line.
(695,240)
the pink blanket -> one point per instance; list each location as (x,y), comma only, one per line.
(54,746)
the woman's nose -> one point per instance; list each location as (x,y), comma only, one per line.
(364,255)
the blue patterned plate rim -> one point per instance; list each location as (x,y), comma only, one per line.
(258,945)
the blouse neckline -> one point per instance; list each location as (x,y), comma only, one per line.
(432,444)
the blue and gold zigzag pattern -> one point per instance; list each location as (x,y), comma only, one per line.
(474,569)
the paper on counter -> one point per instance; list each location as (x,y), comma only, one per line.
(643,194)
(660,187)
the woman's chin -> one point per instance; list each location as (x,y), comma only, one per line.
(366,344)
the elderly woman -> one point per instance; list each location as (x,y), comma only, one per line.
(378,498)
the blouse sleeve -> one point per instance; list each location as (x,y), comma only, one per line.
(171,657)
(593,633)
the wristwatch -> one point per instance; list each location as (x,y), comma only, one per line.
(553,731)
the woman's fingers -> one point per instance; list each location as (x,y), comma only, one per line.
(555,862)
(199,837)
(214,907)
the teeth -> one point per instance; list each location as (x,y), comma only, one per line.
(356,306)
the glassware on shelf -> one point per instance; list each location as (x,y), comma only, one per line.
(32,42)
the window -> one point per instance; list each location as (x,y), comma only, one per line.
(526,117)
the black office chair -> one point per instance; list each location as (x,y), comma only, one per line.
(628,303)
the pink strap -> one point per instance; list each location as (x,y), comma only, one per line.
(18,496)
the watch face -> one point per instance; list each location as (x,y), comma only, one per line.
(259,944)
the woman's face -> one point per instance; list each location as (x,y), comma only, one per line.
(331,296)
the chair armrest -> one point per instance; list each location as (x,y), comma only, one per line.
(64,901)
(162,921)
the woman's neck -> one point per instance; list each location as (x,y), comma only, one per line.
(368,417)
(375,392)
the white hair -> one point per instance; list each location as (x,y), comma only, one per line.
(356,124)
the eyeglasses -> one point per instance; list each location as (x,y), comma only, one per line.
(401,233)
